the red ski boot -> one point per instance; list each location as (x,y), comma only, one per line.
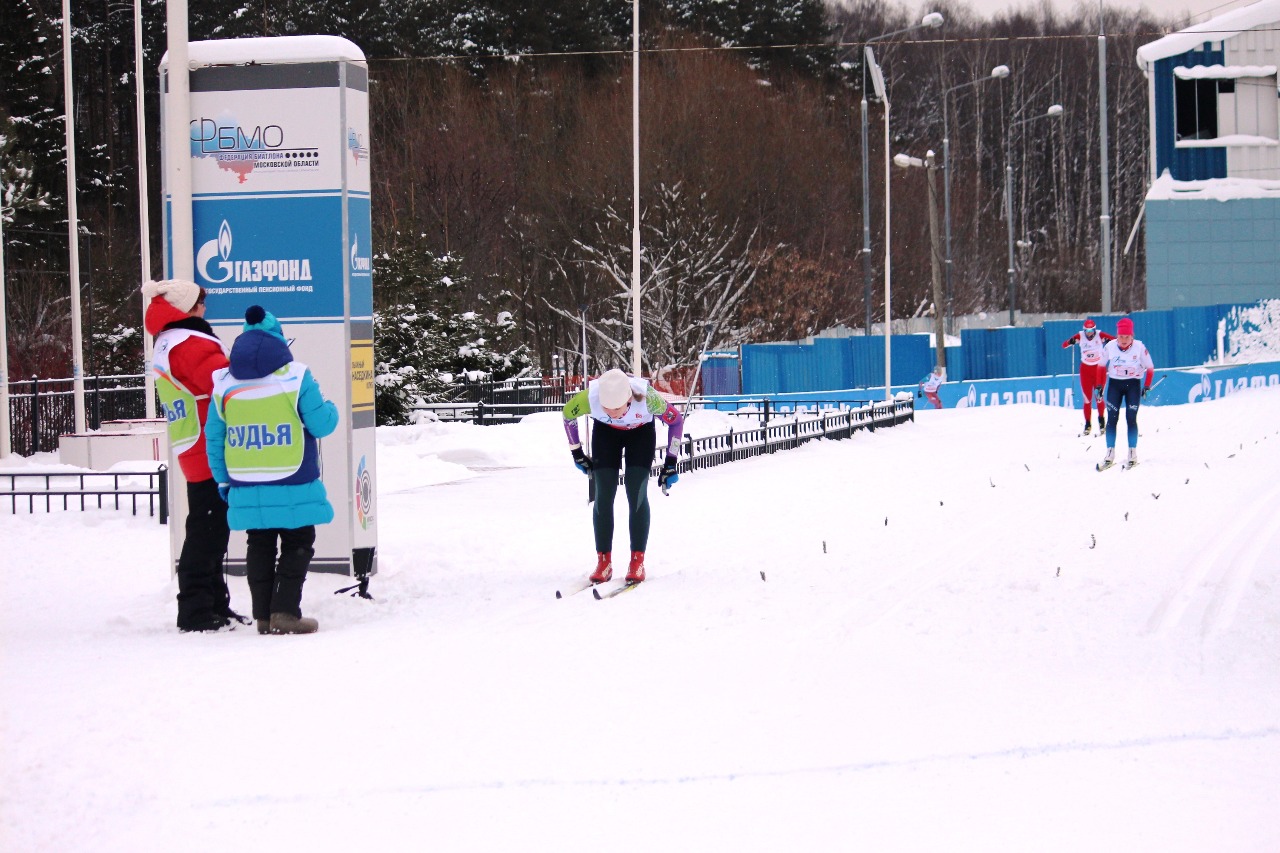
(635,572)
(604,567)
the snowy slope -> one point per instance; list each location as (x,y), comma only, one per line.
(964,639)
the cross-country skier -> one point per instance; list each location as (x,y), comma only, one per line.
(930,384)
(624,408)
(1129,372)
(1093,373)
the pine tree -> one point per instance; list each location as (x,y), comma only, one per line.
(424,342)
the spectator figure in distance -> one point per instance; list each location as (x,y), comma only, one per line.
(267,415)
(1093,373)
(624,408)
(930,384)
(185,357)
(1129,371)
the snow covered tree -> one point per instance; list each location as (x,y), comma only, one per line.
(18,188)
(694,272)
(747,23)
(424,341)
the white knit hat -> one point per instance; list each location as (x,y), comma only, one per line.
(179,293)
(615,389)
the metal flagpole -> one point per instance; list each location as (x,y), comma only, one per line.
(1105,218)
(4,349)
(73,224)
(144,221)
(635,188)
(177,159)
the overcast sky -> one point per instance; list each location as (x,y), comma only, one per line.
(1199,10)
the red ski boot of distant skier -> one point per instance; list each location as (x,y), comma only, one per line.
(635,572)
(604,567)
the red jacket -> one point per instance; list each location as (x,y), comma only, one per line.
(192,362)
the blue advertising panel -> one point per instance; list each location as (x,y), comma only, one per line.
(284,252)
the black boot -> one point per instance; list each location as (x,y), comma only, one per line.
(291,570)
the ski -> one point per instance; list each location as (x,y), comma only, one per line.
(574,588)
(1105,464)
(617,590)
(1129,465)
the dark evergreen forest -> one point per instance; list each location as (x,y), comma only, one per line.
(501,140)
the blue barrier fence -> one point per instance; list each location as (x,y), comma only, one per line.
(1170,387)
(1178,337)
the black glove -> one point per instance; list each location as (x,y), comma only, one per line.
(1144,392)
(668,477)
(582,460)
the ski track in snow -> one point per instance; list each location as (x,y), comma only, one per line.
(1220,571)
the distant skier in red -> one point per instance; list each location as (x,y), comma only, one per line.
(1093,372)
(930,384)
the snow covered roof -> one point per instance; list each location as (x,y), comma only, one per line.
(1222,27)
(1165,188)
(276,49)
(1223,72)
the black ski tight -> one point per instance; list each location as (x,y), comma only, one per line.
(637,486)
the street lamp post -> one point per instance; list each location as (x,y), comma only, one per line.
(931,20)
(997,73)
(939,332)
(1054,111)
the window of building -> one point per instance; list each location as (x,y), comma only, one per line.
(1234,104)
(1196,108)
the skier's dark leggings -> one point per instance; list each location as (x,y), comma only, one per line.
(608,445)
(1129,392)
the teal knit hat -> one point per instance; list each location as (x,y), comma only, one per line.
(259,318)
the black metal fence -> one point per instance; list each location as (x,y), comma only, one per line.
(796,429)
(40,410)
(63,489)
(533,390)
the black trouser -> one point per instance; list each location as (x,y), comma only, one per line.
(608,447)
(202,587)
(1129,392)
(276,585)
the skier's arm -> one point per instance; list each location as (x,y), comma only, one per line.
(1149,365)
(1106,337)
(577,406)
(669,415)
(1071,340)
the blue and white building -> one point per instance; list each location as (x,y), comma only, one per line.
(1213,207)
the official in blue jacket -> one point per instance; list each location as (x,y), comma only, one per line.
(265,418)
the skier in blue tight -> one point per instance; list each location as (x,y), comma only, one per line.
(1129,372)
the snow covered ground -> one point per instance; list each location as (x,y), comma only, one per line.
(951,635)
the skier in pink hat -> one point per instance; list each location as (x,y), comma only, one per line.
(1129,372)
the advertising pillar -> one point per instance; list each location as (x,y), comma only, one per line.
(279,147)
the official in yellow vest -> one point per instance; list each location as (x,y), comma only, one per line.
(265,420)
(186,355)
